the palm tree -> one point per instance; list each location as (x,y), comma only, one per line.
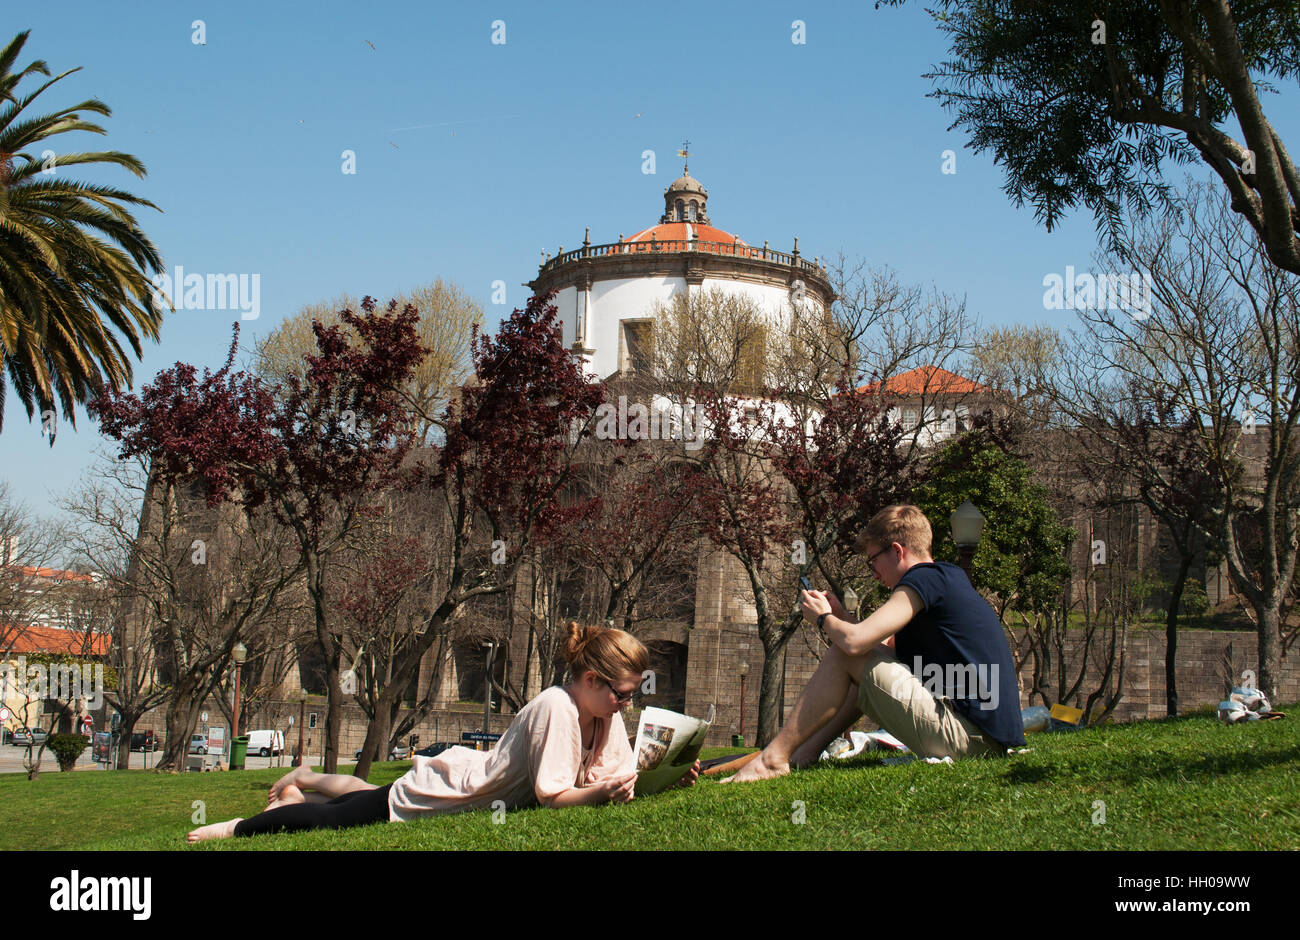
(74,266)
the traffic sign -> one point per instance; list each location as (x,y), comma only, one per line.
(5,714)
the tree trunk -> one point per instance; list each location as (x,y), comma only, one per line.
(1171,638)
(1270,651)
(182,716)
(125,729)
(770,704)
(333,714)
(377,733)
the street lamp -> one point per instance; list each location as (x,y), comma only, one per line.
(851,601)
(302,724)
(238,654)
(744,671)
(967,527)
(487,682)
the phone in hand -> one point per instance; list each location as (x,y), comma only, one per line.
(803,581)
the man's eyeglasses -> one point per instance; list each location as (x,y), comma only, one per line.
(621,697)
(871,559)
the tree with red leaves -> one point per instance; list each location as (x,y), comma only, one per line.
(512,439)
(786,484)
(319,453)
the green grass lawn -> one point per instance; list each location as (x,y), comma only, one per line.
(1187,783)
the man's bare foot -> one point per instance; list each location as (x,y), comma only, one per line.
(290,779)
(762,767)
(214,831)
(288,794)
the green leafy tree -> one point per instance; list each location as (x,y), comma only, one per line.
(1021,557)
(1082,100)
(74,265)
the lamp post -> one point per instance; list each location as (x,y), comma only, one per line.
(487,682)
(238,654)
(744,671)
(302,725)
(967,527)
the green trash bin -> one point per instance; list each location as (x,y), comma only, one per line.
(238,751)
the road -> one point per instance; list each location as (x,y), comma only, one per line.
(11,761)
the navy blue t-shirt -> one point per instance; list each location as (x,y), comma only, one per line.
(956,647)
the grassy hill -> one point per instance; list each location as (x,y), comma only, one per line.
(1185,783)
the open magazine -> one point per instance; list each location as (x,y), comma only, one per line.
(667,744)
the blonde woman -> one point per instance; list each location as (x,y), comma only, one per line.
(567,747)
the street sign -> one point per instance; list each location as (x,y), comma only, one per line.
(5,714)
(217,740)
(479,736)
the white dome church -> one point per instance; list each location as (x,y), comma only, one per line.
(607,293)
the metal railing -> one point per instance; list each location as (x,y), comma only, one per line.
(730,249)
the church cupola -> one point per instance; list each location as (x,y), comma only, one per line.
(684,200)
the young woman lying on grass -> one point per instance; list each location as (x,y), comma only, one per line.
(567,747)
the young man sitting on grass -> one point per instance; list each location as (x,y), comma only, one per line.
(931,665)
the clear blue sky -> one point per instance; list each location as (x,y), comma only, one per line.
(472,157)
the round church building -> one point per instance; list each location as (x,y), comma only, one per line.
(606,294)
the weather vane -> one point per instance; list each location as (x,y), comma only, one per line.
(685,154)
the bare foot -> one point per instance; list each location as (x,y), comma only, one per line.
(288,794)
(214,831)
(290,779)
(763,767)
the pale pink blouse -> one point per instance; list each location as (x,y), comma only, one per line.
(540,756)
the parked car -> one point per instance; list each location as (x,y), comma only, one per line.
(198,744)
(401,752)
(25,737)
(265,743)
(145,741)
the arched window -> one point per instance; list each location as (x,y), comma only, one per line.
(693,210)
(681,211)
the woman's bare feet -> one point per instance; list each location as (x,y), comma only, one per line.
(288,794)
(762,767)
(292,778)
(214,831)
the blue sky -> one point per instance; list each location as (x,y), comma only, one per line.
(472,157)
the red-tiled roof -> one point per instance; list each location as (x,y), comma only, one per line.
(676,232)
(927,380)
(57,574)
(53,640)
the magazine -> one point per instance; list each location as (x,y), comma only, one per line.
(667,744)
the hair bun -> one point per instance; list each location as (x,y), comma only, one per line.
(577,639)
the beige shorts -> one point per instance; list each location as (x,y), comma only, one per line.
(890,695)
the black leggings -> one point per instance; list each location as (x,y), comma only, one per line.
(358,808)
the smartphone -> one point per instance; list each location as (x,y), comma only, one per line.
(803,580)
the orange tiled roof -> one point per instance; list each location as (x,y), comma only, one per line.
(36,639)
(676,232)
(57,574)
(928,380)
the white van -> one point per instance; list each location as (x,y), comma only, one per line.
(265,743)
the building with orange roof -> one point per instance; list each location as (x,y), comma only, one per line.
(607,294)
(934,403)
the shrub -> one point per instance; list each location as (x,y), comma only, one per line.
(1195,601)
(67,748)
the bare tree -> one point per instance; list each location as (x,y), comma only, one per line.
(198,580)
(1220,352)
